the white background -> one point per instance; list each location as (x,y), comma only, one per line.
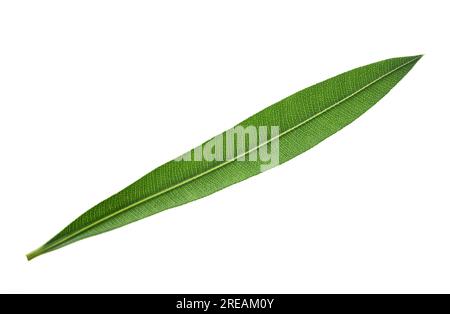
(94,94)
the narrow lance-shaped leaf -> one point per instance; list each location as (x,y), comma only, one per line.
(295,124)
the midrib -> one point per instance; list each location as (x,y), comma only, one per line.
(78,232)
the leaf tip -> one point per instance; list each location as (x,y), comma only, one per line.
(417,57)
(413,59)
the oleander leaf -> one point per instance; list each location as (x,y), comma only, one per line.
(303,120)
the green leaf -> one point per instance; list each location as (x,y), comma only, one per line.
(303,119)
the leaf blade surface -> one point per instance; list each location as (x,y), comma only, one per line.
(304,119)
